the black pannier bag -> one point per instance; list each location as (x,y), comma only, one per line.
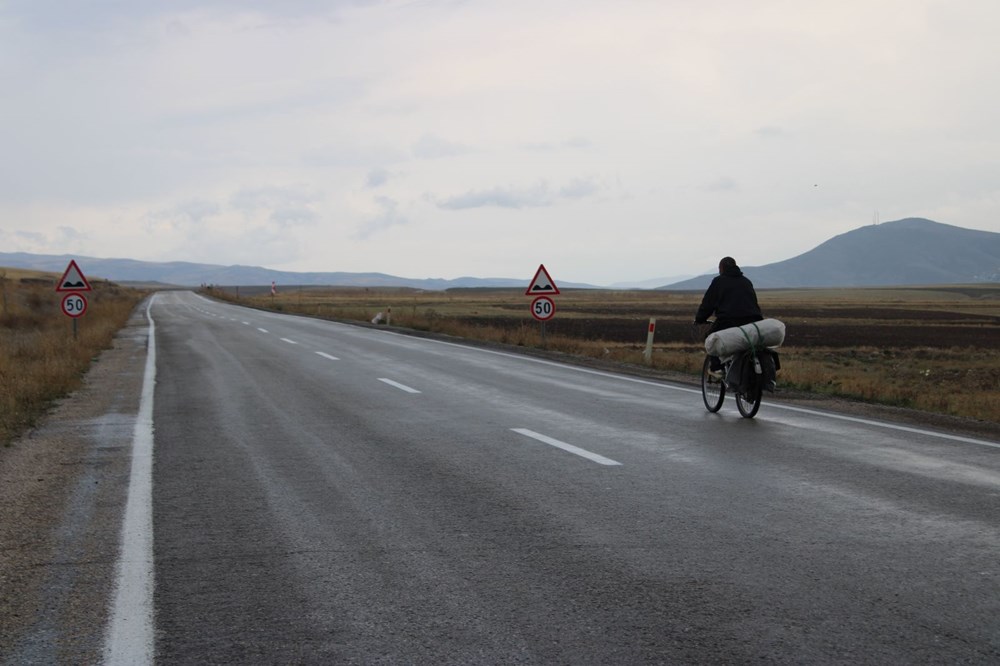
(769,365)
(743,372)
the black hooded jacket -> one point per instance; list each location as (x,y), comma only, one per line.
(731,299)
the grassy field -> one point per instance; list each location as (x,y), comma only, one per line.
(40,361)
(935,349)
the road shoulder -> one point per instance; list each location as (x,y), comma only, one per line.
(63,487)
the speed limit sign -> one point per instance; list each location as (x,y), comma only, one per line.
(74,305)
(543,308)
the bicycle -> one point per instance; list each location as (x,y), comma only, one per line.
(748,391)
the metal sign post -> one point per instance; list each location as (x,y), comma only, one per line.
(543,308)
(74,304)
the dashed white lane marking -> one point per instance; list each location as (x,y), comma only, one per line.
(401,387)
(246,323)
(325,355)
(685,389)
(291,342)
(599,459)
(129,637)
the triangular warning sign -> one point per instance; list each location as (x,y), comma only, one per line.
(72,279)
(542,283)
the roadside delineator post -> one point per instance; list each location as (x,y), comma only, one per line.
(648,354)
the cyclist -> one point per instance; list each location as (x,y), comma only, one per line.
(733,301)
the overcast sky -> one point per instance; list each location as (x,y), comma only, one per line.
(612,141)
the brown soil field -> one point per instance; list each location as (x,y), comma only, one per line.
(808,325)
(830,331)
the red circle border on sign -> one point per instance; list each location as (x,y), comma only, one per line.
(551,302)
(70,314)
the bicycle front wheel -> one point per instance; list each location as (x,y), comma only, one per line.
(713,389)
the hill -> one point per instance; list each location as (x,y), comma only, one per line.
(186,274)
(913,251)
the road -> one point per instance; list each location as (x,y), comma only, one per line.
(326,493)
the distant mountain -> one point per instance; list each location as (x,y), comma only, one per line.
(906,252)
(913,251)
(185,274)
(648,284)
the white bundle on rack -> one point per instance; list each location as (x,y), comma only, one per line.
(764,333)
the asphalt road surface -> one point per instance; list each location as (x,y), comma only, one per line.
(323,493)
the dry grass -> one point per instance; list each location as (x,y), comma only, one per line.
(40,361)
(956,381)
(863,344)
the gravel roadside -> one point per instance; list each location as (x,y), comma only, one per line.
(62,495)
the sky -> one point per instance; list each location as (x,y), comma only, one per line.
(612,141)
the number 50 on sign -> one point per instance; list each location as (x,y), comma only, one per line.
(543,308)
(74,305)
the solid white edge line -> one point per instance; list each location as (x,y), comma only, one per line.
(401,387)
(599,459)
(776,405)
(893,426)
(129,637)
(327,356)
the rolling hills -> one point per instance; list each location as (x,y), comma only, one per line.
(913,251)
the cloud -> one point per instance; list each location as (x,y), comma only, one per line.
(377,178)
(271,197)
(535,196)
(234,244)
(58,15)
(194,212)
(31,237)
(70,235)
(251,130)
(579,188)
(284,206)
(387,217)
(576,143)
(293,217)
(40,241)
(502,197)
(430,147)
(722,184)
(770,132)
(353,153)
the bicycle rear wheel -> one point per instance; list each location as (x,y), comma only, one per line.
(713,390)
(748,403)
